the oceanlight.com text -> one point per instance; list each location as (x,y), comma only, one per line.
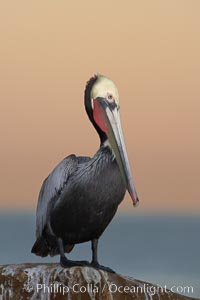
(59,288)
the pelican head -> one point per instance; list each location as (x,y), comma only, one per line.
(102,106)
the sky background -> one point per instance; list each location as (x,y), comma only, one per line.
(150,49)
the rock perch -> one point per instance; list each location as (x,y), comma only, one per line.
(50,281)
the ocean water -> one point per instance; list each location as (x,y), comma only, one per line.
(161,249)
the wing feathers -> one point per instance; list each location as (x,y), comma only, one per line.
(51,189)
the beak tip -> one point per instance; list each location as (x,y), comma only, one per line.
(136,202)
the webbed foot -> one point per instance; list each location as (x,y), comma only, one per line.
(66,263)
(100,267)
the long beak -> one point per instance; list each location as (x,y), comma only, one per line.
(114,132)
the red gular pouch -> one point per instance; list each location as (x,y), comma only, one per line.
(99,116)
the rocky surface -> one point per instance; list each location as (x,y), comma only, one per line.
(50,281)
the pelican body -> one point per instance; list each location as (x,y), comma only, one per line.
(81,195)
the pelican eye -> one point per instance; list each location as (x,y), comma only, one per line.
(110,97)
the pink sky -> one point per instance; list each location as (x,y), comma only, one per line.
(151,49)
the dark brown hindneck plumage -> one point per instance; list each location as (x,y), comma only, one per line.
(89,110)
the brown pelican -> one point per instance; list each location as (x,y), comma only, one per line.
(81,195)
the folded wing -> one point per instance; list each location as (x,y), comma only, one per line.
(51,189)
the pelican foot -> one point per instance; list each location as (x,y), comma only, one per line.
(66,263)
(100,267)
